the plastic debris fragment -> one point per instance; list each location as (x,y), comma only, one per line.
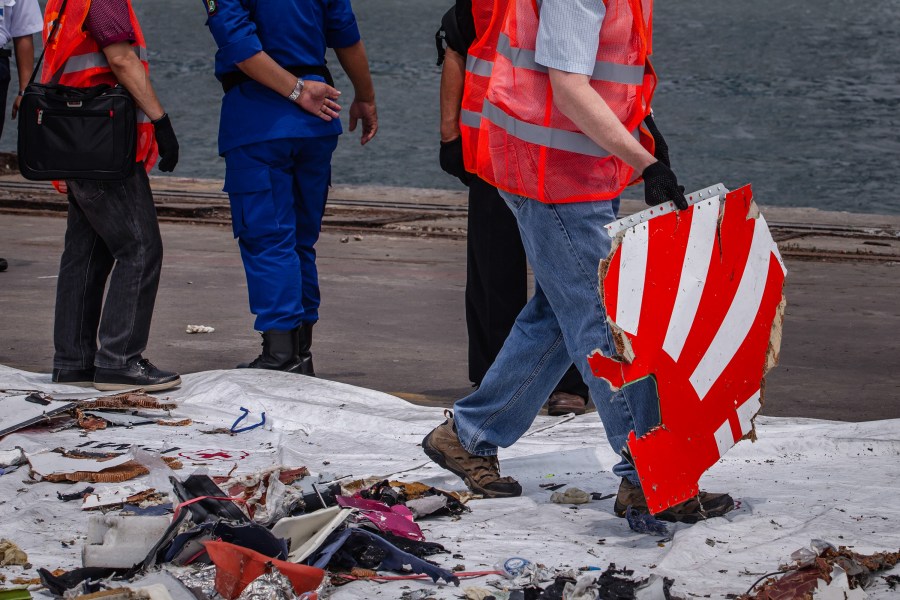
(199,329)
(642,522)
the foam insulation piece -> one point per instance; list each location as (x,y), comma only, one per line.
(118,542)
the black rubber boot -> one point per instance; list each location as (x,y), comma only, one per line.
(304,334)
(279,352)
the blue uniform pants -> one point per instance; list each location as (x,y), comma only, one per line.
(278,190)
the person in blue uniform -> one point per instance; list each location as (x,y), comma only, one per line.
(278,128)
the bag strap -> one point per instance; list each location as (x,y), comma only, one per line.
(58,75)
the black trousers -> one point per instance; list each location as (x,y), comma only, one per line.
(5,78)
(497,283)
(112,234)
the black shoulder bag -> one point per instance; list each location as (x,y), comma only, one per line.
(75,133)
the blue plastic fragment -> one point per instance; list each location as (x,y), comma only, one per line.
(244,413)
(642,522)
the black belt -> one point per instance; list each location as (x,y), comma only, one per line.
(235,78)
(5,52)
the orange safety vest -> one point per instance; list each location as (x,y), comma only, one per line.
(526,146)
(488,16)
(82,63)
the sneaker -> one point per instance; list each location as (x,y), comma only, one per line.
(139,374)
(703,506)
(480,473)
(79,377)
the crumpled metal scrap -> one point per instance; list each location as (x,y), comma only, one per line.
(202,580)
(269,586)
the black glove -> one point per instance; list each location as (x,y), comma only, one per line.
(661,185)
(451,158)
(167,143)
(661,153)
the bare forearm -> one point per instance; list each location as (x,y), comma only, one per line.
(576,99)
(263,69)
(317,98)
(24,48)
(453,77)
(130,72)
(355,63)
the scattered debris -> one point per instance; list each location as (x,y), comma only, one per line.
(199,329)
(10,554)
(126,400)
(120,542)
(573,495)
(306,533)
(841,570)
(12,458)
(58,465)
(75,495)
(599,496)
(24,410)
(642,522)
(244,413)
(126,494)
(237,567)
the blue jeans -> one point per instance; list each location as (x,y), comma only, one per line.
(278,191)
(564,322)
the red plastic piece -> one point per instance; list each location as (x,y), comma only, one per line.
(237,567)
(699,293)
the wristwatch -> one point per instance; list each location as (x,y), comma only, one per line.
(298,89)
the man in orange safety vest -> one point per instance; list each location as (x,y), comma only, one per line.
(560,132)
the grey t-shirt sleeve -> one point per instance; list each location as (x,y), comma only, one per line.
(24,18)
(568,34)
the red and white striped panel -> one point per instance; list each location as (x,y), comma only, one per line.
(693,296)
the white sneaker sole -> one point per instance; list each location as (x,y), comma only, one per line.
(118,387)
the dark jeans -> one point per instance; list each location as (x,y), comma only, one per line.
(112,234)
(497,282)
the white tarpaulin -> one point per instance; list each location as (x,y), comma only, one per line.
(803,479)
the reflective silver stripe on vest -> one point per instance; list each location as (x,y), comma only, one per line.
(558,139)
(470,118)
(603,71)
(479,66)
(93,60)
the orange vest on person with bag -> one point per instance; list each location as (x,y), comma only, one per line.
(526,146)
(78,56)
(488,16)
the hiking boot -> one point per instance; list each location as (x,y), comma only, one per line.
(480,473)
(564,403)
(703,506)
(79,377)
(140,373)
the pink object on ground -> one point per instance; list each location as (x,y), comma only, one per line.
(395,519)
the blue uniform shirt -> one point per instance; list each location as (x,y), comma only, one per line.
(292,32)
